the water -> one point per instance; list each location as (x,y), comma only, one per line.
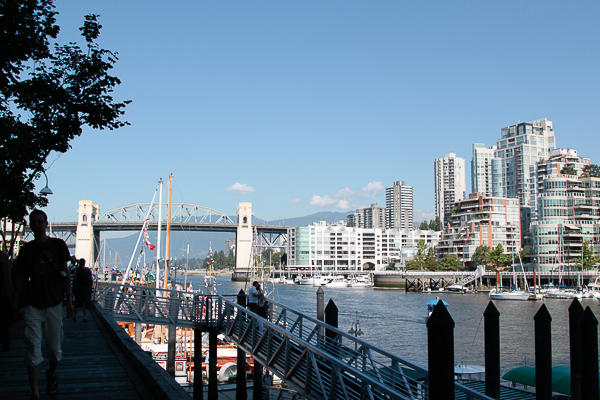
(395,321)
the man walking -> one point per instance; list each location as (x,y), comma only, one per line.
(41,280)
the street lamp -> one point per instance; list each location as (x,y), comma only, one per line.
(46,190)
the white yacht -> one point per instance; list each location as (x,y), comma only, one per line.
(338,281)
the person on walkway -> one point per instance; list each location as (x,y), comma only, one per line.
(41,281)
(253,296)
(82,286)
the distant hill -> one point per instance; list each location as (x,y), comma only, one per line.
(199,241)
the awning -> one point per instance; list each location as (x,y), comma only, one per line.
(561,377)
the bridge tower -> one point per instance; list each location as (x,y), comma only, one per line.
(88,213)
(243,244)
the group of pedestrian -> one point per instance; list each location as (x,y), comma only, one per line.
(40,288)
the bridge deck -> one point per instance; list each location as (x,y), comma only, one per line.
(93,366)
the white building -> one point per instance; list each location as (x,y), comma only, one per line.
(481,220)
(368,217)
(335,247)
(486,171)
(521,147)
(399,206)
(450,183)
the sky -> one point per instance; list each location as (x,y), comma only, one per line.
(307,106)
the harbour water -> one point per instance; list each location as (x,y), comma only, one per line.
(395,321)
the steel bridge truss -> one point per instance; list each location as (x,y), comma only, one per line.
(316,359)
(180,212)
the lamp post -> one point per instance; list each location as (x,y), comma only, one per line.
(355,329)
(46,190)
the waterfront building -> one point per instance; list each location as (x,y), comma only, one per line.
(520,148)
(486,171)
(450,184)
(336,247)
(8,231)
(568,215)
(557,160)
(482,219)
(368,217)
(399,206)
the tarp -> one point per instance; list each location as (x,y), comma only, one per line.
(434,302)
(561,377)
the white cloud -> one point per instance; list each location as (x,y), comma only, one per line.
(371,190)
(343,205)
(344,193)
(321,202)
(295,202)
(424,215)
(241,188)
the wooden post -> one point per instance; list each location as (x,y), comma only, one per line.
(440,345)
(138,333)
(213,392)
(257,390)
(198,395)
(241,392)
(492,351)
(320,312)
(575,311)
(543,354)
(588,326)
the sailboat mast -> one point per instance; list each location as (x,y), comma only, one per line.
(157,281)
(168,232)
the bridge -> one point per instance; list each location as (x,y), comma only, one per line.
(317,360)
(85,232)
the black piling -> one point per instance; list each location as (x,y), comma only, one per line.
(543,354)
(575,311)
(440,344)
(588,326)
(240,384)
(492,351)
(320,311)
(331,318)
(257,390)
(198,363)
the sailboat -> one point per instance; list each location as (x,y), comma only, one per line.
(514,294)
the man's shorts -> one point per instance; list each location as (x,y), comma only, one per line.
(46,322)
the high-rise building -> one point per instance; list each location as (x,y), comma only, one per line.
(450,183)
(481,220)
(521,147)
(557,160)
(368,217)
(399,206)
(486,171)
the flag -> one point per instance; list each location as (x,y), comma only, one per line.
(147,241)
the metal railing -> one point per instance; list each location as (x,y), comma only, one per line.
(314,358)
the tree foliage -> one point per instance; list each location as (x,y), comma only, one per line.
(434,225)
(450,262)
(568,170)
(592,170)
(589,259)
(48,93)
(498,258)
(482,256)
(424,259)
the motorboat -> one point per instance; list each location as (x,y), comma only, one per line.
(315,280)
(338,281)
(361,281)
(503,294)
(432,303)
(456,289)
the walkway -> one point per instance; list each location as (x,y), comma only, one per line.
(95,365)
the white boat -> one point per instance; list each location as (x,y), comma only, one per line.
(562,293)
(361,281)
(594,288)
(315,280)
(456,289)
(338,281)
(510,295)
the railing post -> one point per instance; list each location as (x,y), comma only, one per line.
(588,325)
(198,389)
(575,311)
(257,390)
(213,392)
(241,393)
(543,354)
(320,312)
(440,347)
(492,351)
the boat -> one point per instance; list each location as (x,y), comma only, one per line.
(503,294)
(594,289)
(432,303)
(314,280)
(338,281)
(361,281)
(456,289)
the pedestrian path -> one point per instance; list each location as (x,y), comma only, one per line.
(93,367)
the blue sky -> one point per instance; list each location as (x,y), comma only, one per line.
(305,106)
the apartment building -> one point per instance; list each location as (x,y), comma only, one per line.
(336,247)
(368,217)
(486,171)
(399,206)
(450,184)
(482,219)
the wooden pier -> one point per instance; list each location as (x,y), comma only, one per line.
(95,365)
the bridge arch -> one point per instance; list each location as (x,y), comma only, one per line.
(180,212)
